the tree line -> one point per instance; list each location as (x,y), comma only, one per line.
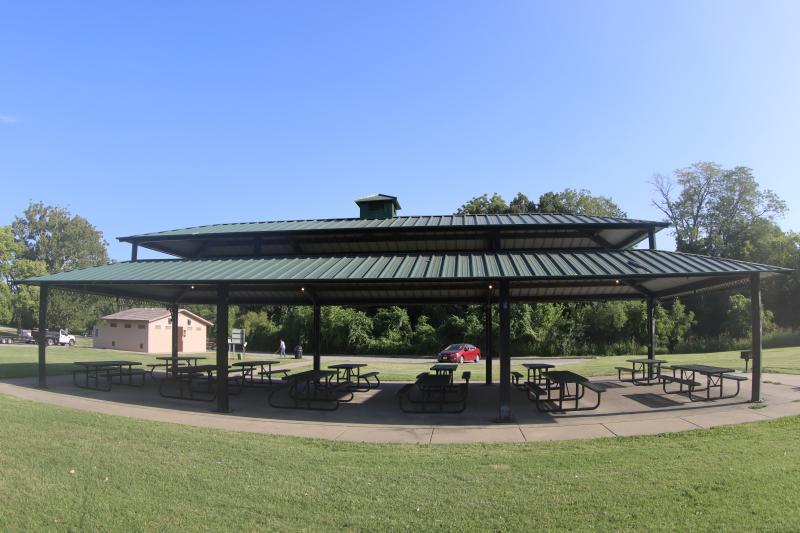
(713,211)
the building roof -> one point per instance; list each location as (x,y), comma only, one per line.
(379,198)
(419,277)
(151,314)
(458,233)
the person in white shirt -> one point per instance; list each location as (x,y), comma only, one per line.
(282,348)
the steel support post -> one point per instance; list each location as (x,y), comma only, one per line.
(43,296)
(223,405)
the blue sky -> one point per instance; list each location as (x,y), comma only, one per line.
(143,116)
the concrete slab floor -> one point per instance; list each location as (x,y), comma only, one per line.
(374,416)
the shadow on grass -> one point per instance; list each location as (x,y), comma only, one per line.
(28,370)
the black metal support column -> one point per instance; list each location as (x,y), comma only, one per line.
(317,337)
(222,349)
(505,353)
(174,313)
(755,309)
(43,295)
(651,238)
(134,251)
(651,328)
(488,331)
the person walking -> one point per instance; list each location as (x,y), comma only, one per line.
(282,348)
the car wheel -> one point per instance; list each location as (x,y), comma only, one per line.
(72,343)
(461,360)
(50,342)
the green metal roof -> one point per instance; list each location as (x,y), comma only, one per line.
(449,233)
(398,223)
(417,277)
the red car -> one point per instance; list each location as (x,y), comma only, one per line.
(459,353)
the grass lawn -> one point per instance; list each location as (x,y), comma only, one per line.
(20,361)
(71,470)
(779,360)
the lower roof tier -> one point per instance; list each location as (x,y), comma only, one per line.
(544,275)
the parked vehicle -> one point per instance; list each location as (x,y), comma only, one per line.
(22,336)
(60,337)
(460,353)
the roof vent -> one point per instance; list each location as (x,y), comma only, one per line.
(378,206)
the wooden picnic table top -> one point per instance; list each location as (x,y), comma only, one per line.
(538,365)
(255,363)
(107,363)
(565,376)
(704,369)
(311,375)
(445,367)
(646,361)
(347,365)
(433,380)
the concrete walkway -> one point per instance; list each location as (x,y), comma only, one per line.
(374,416)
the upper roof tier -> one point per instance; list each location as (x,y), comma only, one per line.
(443,233)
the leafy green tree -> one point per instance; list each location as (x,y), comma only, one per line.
(738,320)
(673,324)
(62,240)
(484,205)
(19,300)
(393,324)
(714,210)
(582,202)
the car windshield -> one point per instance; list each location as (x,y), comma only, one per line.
(454,347)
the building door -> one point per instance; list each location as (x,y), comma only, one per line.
(180,339)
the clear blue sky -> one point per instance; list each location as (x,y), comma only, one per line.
(143,116)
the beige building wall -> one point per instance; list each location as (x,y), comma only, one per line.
(154,337)
(122,335)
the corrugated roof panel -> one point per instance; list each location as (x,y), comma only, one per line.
(517,265)
(407,221)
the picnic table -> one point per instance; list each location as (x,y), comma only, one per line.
(537,372)
(715,378)
(94,371)
(560,380)
(189,381)
(312,389)
(433,390)
(445,369)
(345,373)
(171,362)
(249,372)
(642,365)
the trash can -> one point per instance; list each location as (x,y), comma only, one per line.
(298,352)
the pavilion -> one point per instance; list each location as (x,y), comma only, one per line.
(384,259)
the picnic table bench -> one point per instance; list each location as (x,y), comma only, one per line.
(686,376)
(560,380)
(312,389)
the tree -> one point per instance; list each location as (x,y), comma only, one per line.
(484,205)
(714,211)
(18,299)
(673,324)
(62,240)
(568,201)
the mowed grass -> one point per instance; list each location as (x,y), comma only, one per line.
(21,361)
(77,471)
(779,360)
